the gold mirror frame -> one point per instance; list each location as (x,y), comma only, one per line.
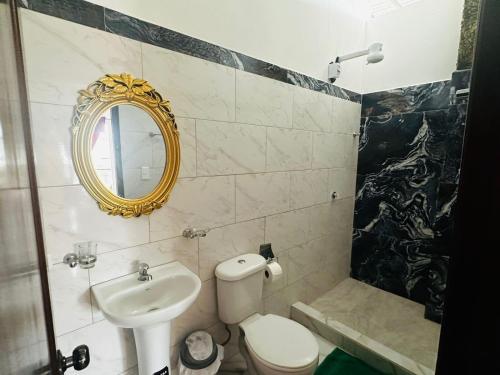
(107,92)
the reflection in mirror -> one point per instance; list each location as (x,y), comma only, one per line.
(128,151)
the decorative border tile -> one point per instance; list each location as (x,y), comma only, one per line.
(114,22)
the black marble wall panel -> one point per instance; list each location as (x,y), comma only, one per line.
(92,15)
(408,169)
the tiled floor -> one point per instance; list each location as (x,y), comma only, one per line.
(393,321)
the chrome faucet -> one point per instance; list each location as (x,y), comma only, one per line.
(192,233)
(143,273)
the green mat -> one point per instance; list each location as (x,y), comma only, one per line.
(341,363)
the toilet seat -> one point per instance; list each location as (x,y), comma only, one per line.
(280,343)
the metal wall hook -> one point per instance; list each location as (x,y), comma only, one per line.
(71,259)
(192,233)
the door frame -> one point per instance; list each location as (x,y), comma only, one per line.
(35,203)
(470,330)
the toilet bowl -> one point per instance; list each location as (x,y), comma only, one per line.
(277,345)
(274,344)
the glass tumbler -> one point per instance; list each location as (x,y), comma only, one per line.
(87,253)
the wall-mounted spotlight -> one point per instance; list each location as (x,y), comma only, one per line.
(374,55)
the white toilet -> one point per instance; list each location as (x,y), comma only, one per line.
(275,345)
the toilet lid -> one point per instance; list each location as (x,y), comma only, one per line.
(281,342)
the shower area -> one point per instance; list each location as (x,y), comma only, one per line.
(388,312)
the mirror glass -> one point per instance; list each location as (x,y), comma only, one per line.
(128,151)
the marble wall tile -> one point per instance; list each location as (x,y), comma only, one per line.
(288,149)
(310,287)
(342,181)
(277,303)
(59,62)
(52,144)
(258,195)
(70,298)
(305,259)
(331,218)
(321,220)
(187,140)
(126,261)
(308,188)
(419,98)
(226,148)
(345,116)
(201,315)
(312,110)
(287,230)
(195,202)
(227,242)
(196,88)
(330,150)
(70,215)
(113,355)
(453,136)
(84,13)
(263,101)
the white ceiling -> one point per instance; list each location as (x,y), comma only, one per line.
(379,7)
(372,8)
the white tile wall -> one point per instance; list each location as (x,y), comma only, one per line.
(312,110)
(187,131)
(309,187)
(70,215)
(258,195)
(259,160)
(262,101)
(195,202)
(52,144)
(288,149)
(196,88)
(225,148)
(62,58)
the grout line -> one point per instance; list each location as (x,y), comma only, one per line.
(235,195)
(253,124)
(196,147)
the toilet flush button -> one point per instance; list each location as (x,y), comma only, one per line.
(241,261)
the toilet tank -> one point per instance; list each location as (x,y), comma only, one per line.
(239,287)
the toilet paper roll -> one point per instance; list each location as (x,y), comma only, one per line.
(273,272)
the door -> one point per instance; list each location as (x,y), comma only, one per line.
(27,344)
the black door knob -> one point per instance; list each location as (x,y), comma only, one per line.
(79,360)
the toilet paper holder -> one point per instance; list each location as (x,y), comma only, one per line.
(271,260)
(266,251)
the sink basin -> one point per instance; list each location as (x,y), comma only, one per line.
(129,303)
(148,307)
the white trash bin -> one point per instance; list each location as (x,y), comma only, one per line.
(200,354)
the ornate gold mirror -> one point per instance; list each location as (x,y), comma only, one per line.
(125,145)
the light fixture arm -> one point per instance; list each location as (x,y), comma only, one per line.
(351,56)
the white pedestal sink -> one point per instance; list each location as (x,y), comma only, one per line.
(148,307)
